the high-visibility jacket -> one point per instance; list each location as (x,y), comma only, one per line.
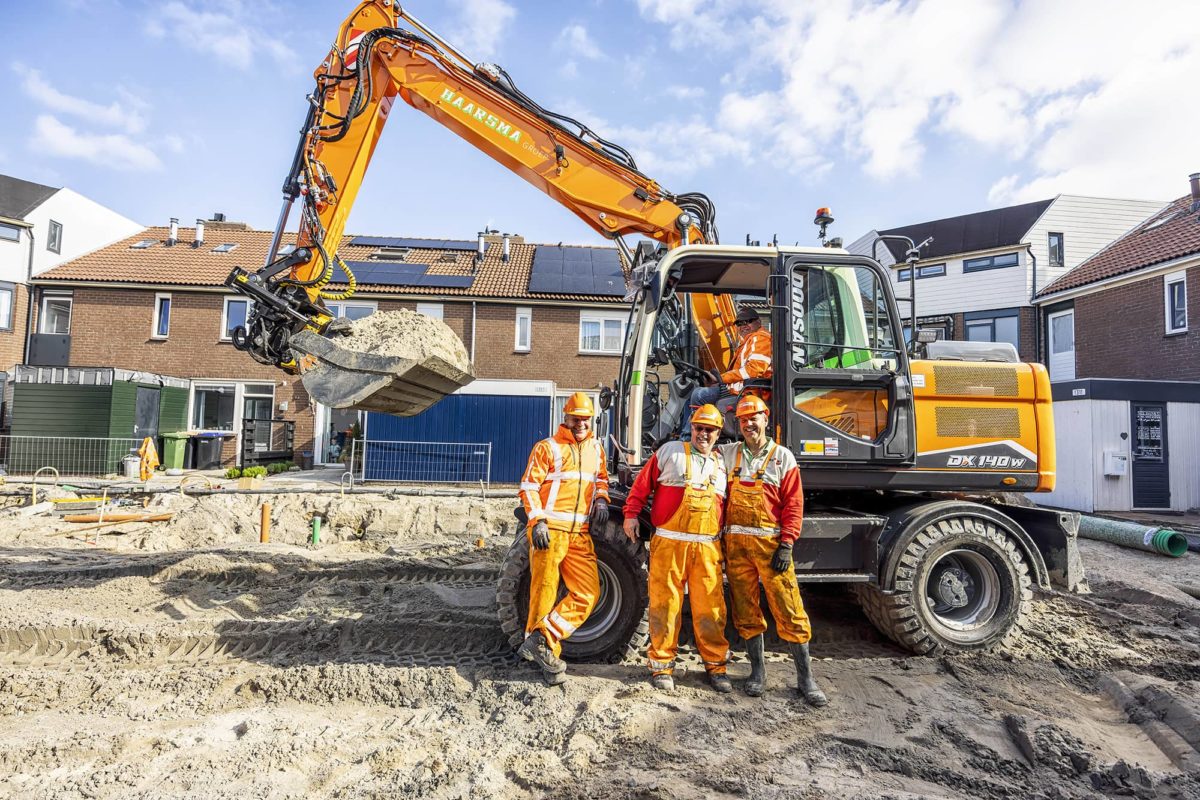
(783,495)
(664,476)
(561,480)
(752,359)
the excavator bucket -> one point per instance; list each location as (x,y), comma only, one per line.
(342,378)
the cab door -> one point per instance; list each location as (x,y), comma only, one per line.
(841,387)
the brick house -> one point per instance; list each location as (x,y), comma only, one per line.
(977,278)
(147,303)
(41,227)
(1124,352)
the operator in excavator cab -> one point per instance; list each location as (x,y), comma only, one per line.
(751,359)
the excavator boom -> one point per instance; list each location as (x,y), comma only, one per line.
(383,53)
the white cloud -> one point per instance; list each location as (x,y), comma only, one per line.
(128,114)
(480,25)
(229,32)
(575,40)
(117,151)
(686,92)
(1068,96)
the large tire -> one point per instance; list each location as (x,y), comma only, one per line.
(962,585)
(617,628)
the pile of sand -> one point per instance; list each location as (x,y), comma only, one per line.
(406,334)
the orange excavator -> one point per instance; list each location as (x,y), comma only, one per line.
(908,447)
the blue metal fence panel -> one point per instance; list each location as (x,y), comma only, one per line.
(512,424)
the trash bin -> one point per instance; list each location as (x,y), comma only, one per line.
(306,459)
(131,466)
(174,447)
(208,450)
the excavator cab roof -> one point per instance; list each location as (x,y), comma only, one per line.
(735,269)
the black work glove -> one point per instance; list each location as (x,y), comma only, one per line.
(541,535)
(599,515)
(782,558)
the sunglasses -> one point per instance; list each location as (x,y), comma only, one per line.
(743,323)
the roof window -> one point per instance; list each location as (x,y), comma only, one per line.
(142,245)
(390,254)
(225,248)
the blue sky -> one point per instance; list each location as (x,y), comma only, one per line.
(889,112)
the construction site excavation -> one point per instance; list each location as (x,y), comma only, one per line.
(185,658)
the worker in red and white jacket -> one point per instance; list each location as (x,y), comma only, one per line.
(764,511)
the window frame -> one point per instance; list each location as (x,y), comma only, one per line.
(46,298)
(193,408)
(1062,249)
(985,263)
(226,334)
(601,317)
(344,304)
(1170,280)
(54,237)
(523,313)
(441,310)
(902,275)
(157,316)
(977,317)
(16,230)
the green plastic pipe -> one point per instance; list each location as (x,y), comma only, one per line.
(1150,538)
(316,531)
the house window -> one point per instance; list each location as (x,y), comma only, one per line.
(1055,241)
(991,262)
(993,326)
(7,292)
(258,403)
(352,310)
(56,314)
(213,407)
(927,271)
(430,309)
(1175,288)
(233,316)
(10,233)
(54,240)
(601,333)
(162,316)
(524,331)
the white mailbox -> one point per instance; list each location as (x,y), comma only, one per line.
(1116,463)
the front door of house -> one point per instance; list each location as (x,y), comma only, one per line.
(145,413)
(1151,468)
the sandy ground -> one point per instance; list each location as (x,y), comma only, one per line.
(185,659)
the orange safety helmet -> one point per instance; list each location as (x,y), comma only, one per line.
(579,405)
(709,415)
(750,405)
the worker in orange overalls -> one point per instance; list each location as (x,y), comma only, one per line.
(763,516)
(565,494)
(751,359)
(688,484)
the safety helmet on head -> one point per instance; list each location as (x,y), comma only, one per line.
(579,405)
(750,405)
(709,415)
(748,314)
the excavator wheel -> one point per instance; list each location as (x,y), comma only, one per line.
(961,584)
(617,628)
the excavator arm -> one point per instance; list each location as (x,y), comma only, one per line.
(383,53)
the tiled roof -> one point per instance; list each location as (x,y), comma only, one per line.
(18,197)
(1170,234)
(185,265)
(969,233)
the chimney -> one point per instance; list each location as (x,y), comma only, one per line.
(1194,178)
(504,255)
(482,246)
(218,216)
(199,233)
(173,236)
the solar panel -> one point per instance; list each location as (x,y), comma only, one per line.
(426,244)
(391,273)
(446,281)
(577,270)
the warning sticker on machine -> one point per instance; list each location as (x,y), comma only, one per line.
(918,381)
(813,447)
(831,446)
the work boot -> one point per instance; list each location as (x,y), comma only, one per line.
(720,682)
(805,683)
(756,684)
(663,682)
(535,648)
(554,678)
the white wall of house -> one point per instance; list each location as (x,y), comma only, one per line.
(1074,485)
(14,258)
(972,291)
(1183,434)
(1088,225)
(87,226)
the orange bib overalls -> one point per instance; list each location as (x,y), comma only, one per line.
(685,553)
(751,536)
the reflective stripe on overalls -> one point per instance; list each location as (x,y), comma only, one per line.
(685,553)
(750,545)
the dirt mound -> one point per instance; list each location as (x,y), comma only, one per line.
(406,334)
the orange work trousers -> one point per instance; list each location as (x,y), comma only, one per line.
(696,566)
(572,558)
(747,562)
